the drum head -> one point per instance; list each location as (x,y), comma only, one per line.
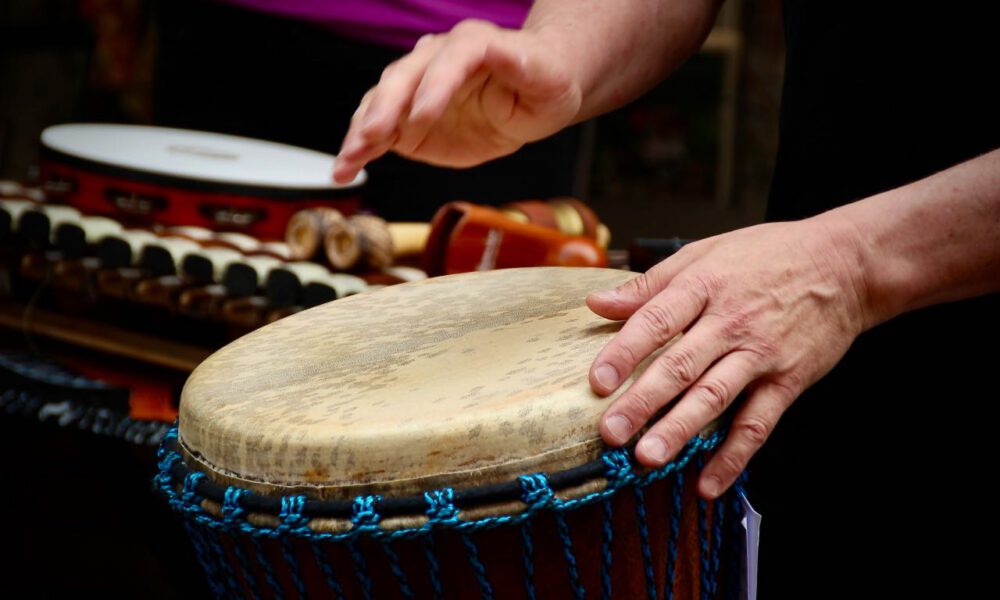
(195,155)
(462,380)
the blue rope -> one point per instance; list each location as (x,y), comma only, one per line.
(291,518)
(361,569)
(194,511)
(677,506)
(440,511)
(397,570)
(537,494)
(231,512)
(365,518)
(201,552)
(606,551)
(215,543)
(647,555)
(718,516)
(574,574)
(434,567)
(324,565)
(478,568)
(528,558)
(211,554)
(619,467)
(703,545)
(267,567)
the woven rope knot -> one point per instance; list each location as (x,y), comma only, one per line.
(618,464)
(162,451)
(189,490)
(364,515)
(291,515)
(441,505)
(535,490)
(231,508)
(166,466)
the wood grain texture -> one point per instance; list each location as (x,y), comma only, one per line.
(461,380)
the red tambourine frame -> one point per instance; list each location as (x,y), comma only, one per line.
(142,199)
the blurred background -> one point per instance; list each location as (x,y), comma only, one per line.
(690,159)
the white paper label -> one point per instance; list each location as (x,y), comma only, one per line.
(751,525)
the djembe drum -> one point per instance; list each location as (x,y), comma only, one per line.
(435,439)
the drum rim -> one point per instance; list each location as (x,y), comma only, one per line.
(275,191)
(614,467)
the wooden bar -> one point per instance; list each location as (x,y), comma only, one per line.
(102,337)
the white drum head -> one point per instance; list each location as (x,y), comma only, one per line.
(196,155)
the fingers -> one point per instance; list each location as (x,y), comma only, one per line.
(749,430)
(704,402)
(665,315)
(619,303)
(679,366)
(375,123)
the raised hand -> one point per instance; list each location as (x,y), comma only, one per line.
(459,99)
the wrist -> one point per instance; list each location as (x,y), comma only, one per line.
(887,279)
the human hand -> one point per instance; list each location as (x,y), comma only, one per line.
(459,99)
(770,309)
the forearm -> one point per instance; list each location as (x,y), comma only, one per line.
(935,240)
(618,49)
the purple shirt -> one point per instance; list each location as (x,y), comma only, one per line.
(398,23)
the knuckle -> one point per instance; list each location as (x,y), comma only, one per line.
(657,320)
(676,431)
(713,395)
(638,286)
(472,27)
(754,429)
(625,354)
(641,404)
(731,463)
(679,366)
(737,325)
(390,70)
(706,284)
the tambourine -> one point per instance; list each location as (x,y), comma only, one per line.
(146,175)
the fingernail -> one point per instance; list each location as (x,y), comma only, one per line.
(605,295)
(619,428)
(654,448)
(712,485)
(606,376)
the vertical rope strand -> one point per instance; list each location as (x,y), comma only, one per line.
(567,542)
(705,588)
(528,558)
(397,570)
(606,551)
(677,505)
(207,564)
(647,554)
(433,566)
(267,567)
(478,568)
(360,569)
(324,565)
(718,518)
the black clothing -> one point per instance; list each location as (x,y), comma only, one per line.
(873,484)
